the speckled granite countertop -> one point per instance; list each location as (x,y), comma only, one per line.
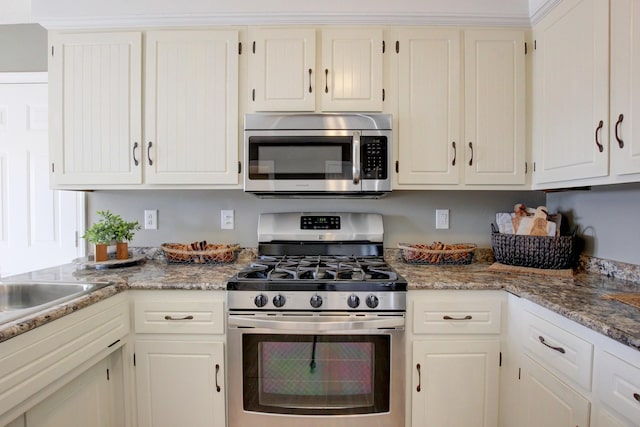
(579,299)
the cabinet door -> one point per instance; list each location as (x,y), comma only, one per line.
(625,86)
(180,383)
(351,71)
(282,69)
(455,383)
(430,149)
(95,95)
(495,141)
(191,107)
(549,402)
(571,95)
(85,401)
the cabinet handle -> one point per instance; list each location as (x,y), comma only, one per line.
(471,159)
(149,153)
(419,387)
(135,161)
(636,396)
(600,146)
(168,317)
(618,123)
(455,153)
(447,317)
(558,349)
(310,72)
(217,371)
(326,80)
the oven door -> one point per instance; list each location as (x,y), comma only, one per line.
(316,370)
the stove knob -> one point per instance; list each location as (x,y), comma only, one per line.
(372,301)
(353,301)
(261,300)
(279,300)
(316,301)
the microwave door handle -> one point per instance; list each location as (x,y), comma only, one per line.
(356,157)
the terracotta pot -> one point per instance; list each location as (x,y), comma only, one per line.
(101,252)
(122,250)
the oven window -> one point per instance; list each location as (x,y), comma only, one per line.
(306,158)
(316,374)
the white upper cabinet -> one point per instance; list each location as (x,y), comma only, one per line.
(282,67)
(571,92)
(495,136)
(95,95)
(429,112)
(191,107)
(283,74)
(625,87)
(433,109)
(351,71)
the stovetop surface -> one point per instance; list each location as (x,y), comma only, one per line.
(318,272)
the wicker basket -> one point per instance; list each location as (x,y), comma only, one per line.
(544,252)
(178,253)
(437,253)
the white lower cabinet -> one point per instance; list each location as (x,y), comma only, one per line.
(179,358)
(179,383)
(88,400)
(455,358)
(617,385)
(549,402)
(455,383)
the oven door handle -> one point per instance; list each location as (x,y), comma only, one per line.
(316,324)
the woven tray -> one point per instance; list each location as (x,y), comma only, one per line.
(437,253)
(179,253)
(535,251)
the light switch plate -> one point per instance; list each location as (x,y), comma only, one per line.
(226,219)
(442,219)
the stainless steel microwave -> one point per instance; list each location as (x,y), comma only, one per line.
(317,155)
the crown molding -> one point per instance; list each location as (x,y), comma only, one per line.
(279,18)
(24,77)
(543,10)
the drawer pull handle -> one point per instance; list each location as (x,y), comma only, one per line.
(189,317)
(419,387)
(447,317)
(636,396)
(217,371)
(600,146)
(558,349)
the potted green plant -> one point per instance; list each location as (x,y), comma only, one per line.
(111,228)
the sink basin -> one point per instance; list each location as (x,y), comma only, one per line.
(18,299)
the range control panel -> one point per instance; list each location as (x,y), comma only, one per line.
(324,222)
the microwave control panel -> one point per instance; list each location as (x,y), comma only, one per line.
(374,157)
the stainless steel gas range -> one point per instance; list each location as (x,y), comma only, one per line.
(316,326)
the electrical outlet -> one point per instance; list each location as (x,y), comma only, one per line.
(151,219)
(442,219)
(226,219)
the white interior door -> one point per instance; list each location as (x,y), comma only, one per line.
(38,226)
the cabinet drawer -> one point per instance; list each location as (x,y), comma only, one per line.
(619,385)
(451,315)
(182,317)
(566,355)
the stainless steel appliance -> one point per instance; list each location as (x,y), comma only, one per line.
(315,155)
(316,326)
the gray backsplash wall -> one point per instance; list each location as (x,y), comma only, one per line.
(607,217)
(409,216)
(23,47)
